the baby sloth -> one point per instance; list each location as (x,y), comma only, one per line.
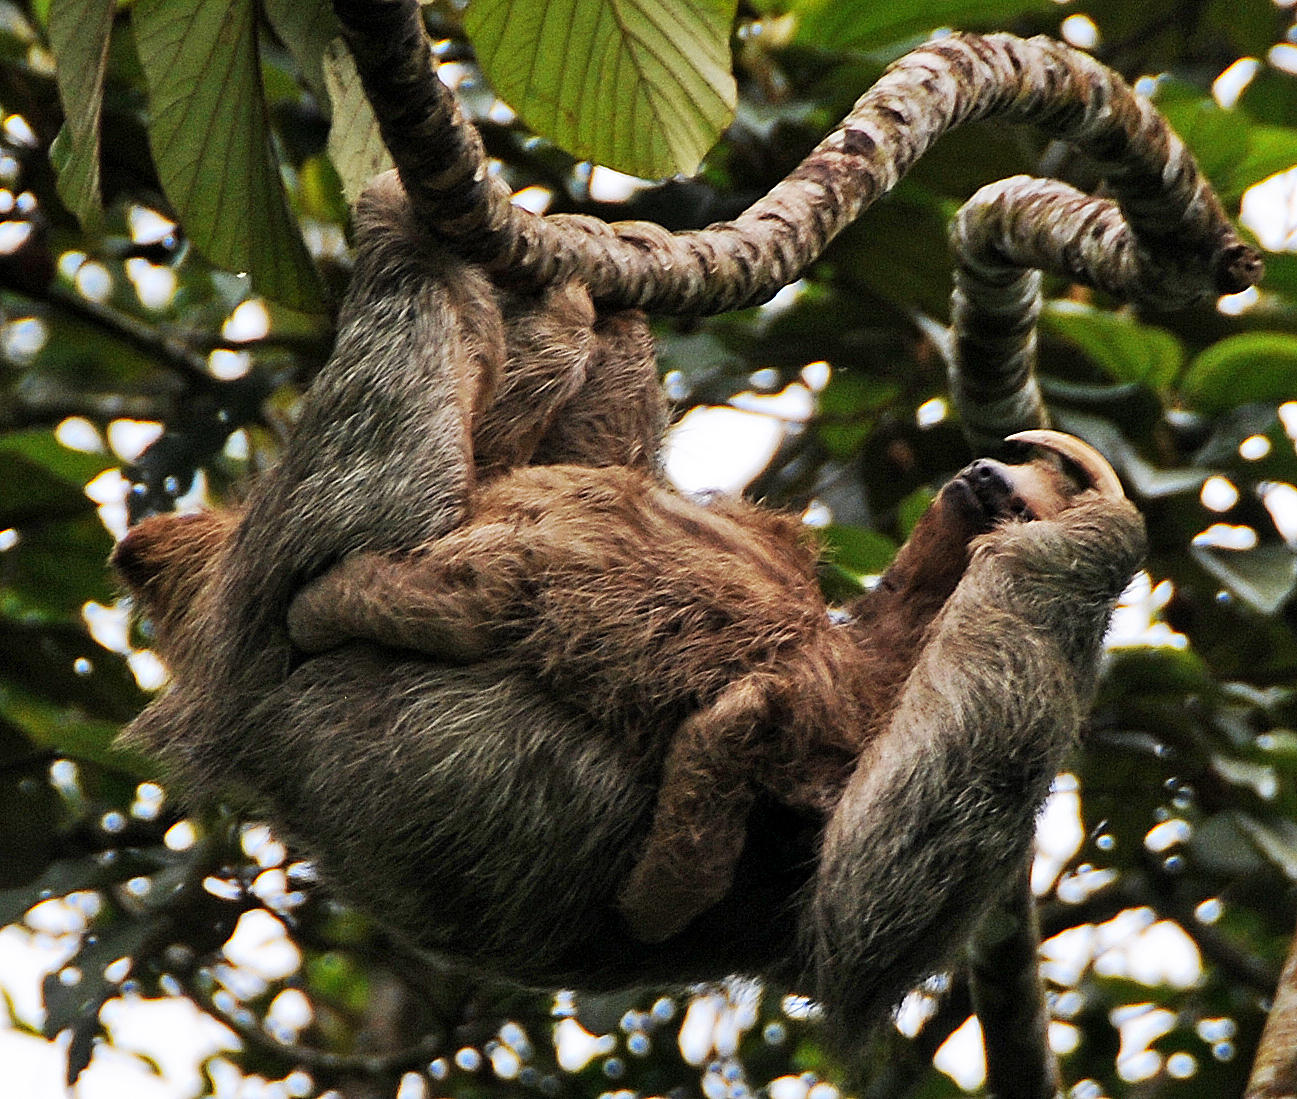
(651,611)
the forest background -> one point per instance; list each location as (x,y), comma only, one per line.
(174,239)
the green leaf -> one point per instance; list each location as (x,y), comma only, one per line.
(1142,670)
(58,565)
(913,223)
(60,728)
(76,1003)
(1250,367)
(847,411)
(355,145)
(1277,842)
(911,509)
(29,819)
(1218,138)
(306,27)
(871,24)
(1231,149)
(211,141)
(857,551)
(79,31)
(1270,149)
(1126,350)
(1221,846)
(643,86)
(1265,577)
(42,481)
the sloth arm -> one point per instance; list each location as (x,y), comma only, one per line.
(424,601)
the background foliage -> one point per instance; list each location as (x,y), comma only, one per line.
(118,326)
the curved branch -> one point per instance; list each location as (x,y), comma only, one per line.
(386,1063)
(1002,237)
(148,339)
(991,354)
(941,85)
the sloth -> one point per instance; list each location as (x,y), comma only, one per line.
(548,720)
(703,622)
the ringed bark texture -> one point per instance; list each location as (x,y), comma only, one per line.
(1002,237)
(952,80)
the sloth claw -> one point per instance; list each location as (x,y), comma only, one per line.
(1098,474)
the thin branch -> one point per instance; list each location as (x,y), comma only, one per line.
(388,1063)
(1274,1072)
(143,337)
(943,84)
(47,405)
(1010,1000)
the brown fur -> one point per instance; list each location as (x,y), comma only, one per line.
(493,811)
(704,624)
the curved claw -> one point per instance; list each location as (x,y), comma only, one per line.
(1094,465)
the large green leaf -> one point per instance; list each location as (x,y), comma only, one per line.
(1233,150)
(1264,577)
(1249,367)
(211,141)
(306,27)
(79,32)
(856,550)
(42,481)
(870,24)
(355,145)
(643,86)
(1126,350)
(1218,138)
(1270,149)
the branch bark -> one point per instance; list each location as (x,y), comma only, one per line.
(1010,1000)
(1002,238)
(952,80)
(1274,1072)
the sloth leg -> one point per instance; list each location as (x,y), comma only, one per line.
(550,344)
(617,416)
(700,822)
(939,813)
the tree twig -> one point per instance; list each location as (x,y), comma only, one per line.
(388,1063)
(141,336)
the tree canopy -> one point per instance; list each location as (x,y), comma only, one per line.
(174,239)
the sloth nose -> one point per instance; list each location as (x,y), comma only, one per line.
(990,475)
(993,484)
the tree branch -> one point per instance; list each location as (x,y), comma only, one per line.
(1002,237)
(949,81)
(387,1063)
(1010,1000)
(1274,1072)
(143,337)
